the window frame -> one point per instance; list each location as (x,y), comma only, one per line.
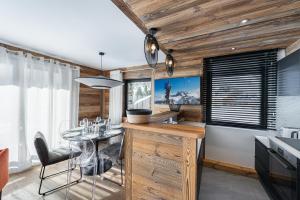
(263,125)
(126,89)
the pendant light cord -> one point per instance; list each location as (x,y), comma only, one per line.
(101,62)
(101,54)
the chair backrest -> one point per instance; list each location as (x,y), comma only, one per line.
(41,148)
(3,168)
(122,148)
(87,147)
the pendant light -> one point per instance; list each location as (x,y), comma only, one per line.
(151,48)
(99,82)
(169,62)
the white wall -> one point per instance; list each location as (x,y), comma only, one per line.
(288,111)
(231,145)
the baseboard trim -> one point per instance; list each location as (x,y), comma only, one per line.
(232,168)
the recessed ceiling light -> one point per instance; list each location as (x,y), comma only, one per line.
(244,21)
(233,48)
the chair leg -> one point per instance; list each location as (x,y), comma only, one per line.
(0,194)
(117,182)
(42,177)
(42,172)
(121,162)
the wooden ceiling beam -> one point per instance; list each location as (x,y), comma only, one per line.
(293,47)
(124,7)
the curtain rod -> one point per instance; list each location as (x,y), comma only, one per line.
(15,52)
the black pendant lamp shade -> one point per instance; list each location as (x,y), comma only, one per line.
(151,48)
(99,82)
(169,62)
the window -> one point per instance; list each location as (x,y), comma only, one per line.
(36,95)
(138,94)
(240,90)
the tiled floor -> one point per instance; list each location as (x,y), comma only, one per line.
(226,186)
(215,185)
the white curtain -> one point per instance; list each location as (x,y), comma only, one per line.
(36,95)
(116,99)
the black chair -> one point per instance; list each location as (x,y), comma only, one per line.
(52,157)
(116,152)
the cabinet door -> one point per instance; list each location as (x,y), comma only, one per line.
(261,160)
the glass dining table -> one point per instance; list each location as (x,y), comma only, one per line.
(81,134)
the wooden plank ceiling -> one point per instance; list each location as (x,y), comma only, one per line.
(205,28)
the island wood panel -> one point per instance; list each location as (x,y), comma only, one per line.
(164,146)
(189,182)
(196,29)
(157,192)
(159,165)
(128,163)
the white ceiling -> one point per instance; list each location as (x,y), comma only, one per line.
(75,30)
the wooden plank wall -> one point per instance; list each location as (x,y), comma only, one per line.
(182,69)
(105,99)
(89,98)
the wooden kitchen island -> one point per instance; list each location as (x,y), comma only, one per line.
(161,161)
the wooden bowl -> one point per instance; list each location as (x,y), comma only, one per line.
(138,116)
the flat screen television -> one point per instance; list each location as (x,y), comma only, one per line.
(181,91)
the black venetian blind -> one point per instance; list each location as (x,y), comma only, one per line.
(240,90)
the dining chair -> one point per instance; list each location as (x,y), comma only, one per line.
(49,157)
(115,152)
(88,161)
(3,169)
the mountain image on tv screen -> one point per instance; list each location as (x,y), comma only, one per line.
(183,91)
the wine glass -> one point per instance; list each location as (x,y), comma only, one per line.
(108,125)
(86,122)
(81,123)
(98,119)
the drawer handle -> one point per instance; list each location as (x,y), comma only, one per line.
(278,159)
